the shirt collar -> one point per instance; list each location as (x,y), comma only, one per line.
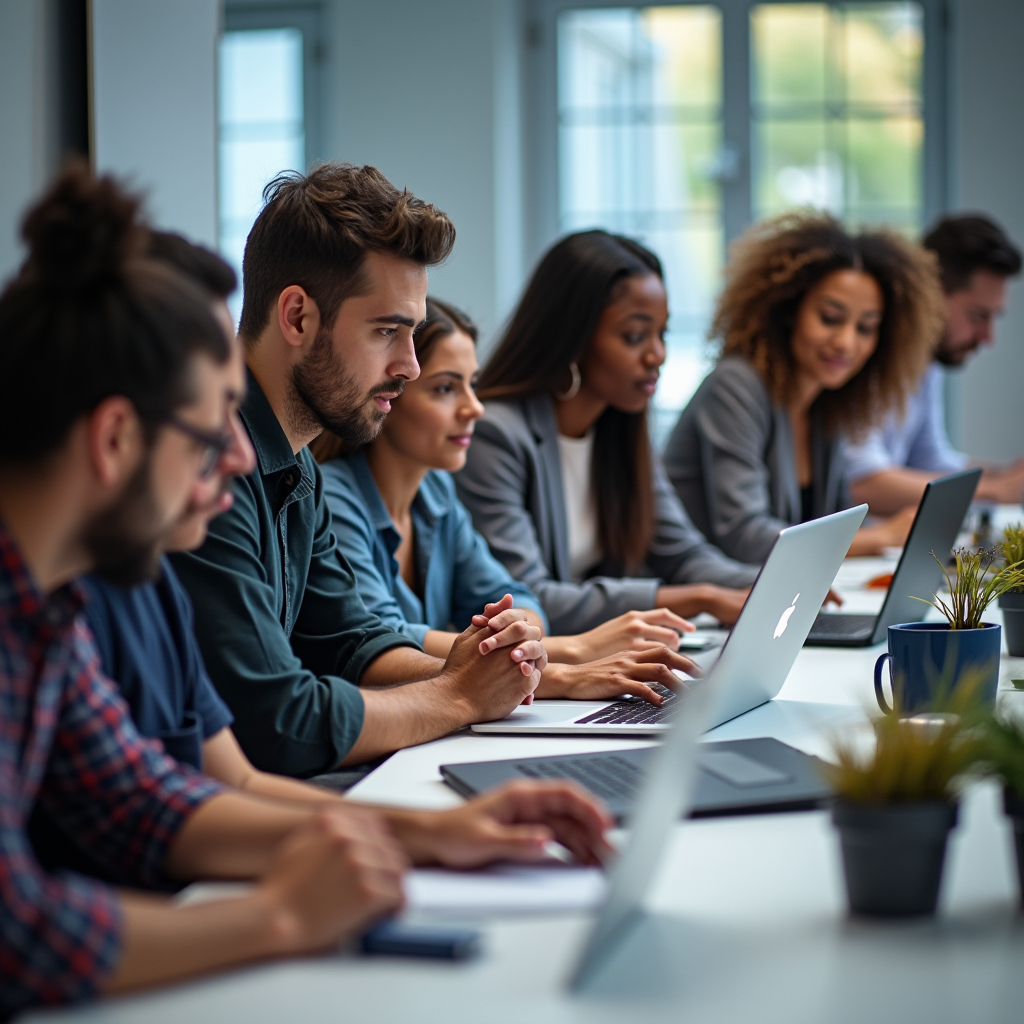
(431,501)
(273,449)
(20,597)
(371,495)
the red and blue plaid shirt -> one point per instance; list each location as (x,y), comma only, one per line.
(67,740)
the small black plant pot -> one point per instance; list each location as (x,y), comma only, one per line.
(1013,804)
(1012,605)
(893,855)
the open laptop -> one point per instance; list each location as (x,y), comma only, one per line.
(939,517)
(756,656)
(665,796)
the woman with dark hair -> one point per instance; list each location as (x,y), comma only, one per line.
(562,479)
(419,564)
(823,334)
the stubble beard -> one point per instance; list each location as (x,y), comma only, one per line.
(323,396)
(124,543)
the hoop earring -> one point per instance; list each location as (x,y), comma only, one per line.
(574,387)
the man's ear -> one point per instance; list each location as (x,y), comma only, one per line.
(115,441)
(298,316)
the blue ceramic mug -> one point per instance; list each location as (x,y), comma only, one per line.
(928,657)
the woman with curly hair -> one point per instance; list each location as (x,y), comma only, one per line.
(823,334)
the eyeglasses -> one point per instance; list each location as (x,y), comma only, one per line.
(215,445)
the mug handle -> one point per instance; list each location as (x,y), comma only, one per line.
(879,695)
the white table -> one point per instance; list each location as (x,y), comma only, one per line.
(747,915)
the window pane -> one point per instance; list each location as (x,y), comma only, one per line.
(796,167)
(881,54)
(837,110)
(640,140)
(790,41)
(261,127)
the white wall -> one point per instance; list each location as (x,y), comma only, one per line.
(154,105)
(27,115)
(429,94)
(987,144)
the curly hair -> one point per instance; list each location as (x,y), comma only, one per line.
(778,261)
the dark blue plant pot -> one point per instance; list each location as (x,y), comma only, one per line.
(1012,605)
(929,659)
(893,855)
(1013,804)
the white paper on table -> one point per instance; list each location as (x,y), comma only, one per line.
(505,889)
(501,890)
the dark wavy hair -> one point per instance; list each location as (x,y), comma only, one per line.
(555,321)
(968,242)
(778,261)
(316,229)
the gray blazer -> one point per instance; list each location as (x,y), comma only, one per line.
(732,462)
(512,486)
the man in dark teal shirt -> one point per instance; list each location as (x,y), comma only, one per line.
(334,285)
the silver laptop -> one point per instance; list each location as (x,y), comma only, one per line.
(755,658)
(806,556)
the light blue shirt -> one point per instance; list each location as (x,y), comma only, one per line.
(918,440)
(457,572)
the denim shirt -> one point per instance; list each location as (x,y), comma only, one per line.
(277,614)
(457,572)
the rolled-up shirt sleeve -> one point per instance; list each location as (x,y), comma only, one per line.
(296,712)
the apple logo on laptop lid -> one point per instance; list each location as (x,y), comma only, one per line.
(784,620)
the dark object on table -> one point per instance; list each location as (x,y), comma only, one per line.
(1013,804)
(431,941)
(753,776)
(1012,605)
(893,855)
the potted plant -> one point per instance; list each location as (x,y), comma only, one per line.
(896,805)
(964,643)
(1012,601)
(1004,755)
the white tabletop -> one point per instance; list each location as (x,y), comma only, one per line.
(747,916)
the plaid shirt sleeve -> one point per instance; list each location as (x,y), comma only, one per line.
(60,934)
(122,797)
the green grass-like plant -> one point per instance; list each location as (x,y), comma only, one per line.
(1013,546)
(1003,738)
(913,764)
(974,586)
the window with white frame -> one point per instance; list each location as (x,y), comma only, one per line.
(831,115)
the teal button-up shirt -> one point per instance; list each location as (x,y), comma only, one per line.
(279,619)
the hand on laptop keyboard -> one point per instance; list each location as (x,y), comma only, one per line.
(647,675)
(630,711)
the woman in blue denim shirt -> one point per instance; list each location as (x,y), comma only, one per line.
(419,563)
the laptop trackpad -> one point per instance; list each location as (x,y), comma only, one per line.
(742,772)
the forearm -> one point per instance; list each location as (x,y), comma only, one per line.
(438,644)
(164,943)
(564,649)
(869,540)
(556,680)
(400,665)
(891,490)
(232,835)
(405,716)
(686,599)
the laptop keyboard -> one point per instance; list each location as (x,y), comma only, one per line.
(634,710)
(843,626)
(610,777)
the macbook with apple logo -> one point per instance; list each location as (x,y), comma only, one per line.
(754,660)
